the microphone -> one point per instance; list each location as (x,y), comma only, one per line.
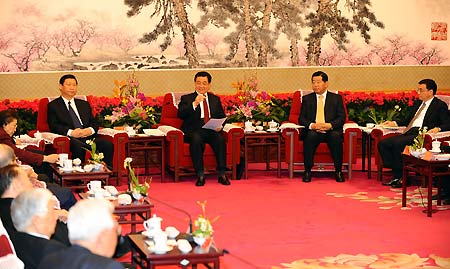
(180,210)
(252,265)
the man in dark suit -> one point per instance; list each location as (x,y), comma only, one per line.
(93,234)
(34,217)
(429,112)
(13,181)
(73,117)
(195,110)
(323,115)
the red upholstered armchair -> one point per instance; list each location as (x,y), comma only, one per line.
(322,159)
(61,144)
(178,158)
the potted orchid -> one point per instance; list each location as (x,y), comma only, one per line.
(417,149)
(96,157)
(203,229)
(137,189)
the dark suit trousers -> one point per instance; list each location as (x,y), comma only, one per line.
(311,141)
(391,149)
(78,146)
(197,141)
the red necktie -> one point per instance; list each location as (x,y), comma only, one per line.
(205,111)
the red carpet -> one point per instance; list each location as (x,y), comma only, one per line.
(281,223)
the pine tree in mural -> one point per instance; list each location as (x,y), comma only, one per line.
(173,13)
(329,19)
(251,21)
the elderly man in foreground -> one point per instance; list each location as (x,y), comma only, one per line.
(93,234)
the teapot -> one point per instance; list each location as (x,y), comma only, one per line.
(153,224)
(273,125)
(160,240)
(249,126)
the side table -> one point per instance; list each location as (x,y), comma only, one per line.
(427,168)
(366,144)
(65,178)
(266,140)
(147,144)
(140,209)
(149,260)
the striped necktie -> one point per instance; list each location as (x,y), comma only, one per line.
(410,125)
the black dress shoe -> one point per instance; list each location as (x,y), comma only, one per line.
(200,181)
(397,183)
(307,176)
(223,180)
(389,183)
(339,176)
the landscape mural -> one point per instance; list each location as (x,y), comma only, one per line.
(52,35)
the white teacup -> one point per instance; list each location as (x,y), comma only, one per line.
(259,128)
(436,146)
(63,157)
(67,164)
(370,125)
(94,185)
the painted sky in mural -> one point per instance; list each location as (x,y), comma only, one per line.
(84,34)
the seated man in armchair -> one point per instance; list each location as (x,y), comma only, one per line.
(428,111)
(195,109)
(323,115)
(73,117)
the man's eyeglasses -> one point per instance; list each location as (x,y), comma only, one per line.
(422,90)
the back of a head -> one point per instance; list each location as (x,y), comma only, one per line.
(7,155)
(27,205)
(7,175)
(88,218)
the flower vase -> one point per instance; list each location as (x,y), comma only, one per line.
(204,242)
(418,153)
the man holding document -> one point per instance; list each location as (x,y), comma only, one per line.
(196,110)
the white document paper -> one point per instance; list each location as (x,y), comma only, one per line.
(213,124)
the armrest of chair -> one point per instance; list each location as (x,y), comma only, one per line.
(119,138)
(440,136)
(232,133)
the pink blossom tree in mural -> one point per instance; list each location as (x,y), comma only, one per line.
(173,13)
(210,41)
(328,19)
(79,35)
(424,55)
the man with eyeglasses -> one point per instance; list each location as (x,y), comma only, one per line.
(428,111)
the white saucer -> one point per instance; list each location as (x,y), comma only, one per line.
(272,130)
(435,151)
(161,251)
(64,169)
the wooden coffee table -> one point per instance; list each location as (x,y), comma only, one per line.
(66,178)
(147,259)
(265,140)
(141,209)
(427,168)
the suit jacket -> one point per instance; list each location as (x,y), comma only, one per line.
(24,155)
(191,118)
(76,257)
(334,110)
(32,249)
(59,120)
(61,233)
(437,115)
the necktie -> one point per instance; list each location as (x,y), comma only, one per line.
(410,125)
(320,114)
(205,111)
(76,121)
